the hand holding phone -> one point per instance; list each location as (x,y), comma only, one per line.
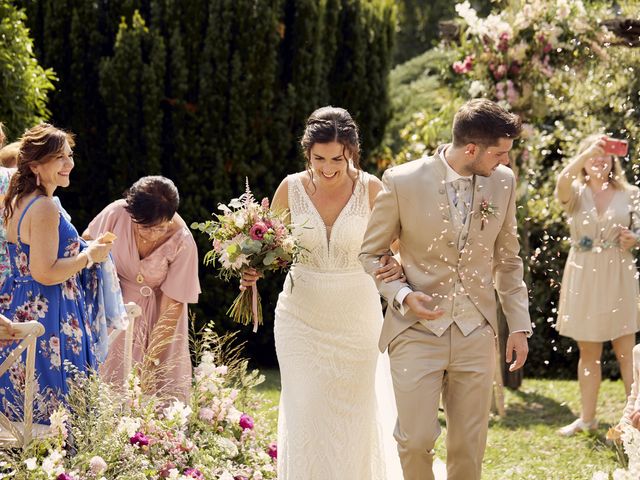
(615,146)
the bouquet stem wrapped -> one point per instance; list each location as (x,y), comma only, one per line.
(246,308)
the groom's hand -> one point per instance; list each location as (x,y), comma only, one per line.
(517,342)
(420,304)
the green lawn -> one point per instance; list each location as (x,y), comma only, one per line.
(524,445)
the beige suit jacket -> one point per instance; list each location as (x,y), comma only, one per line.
(413,206)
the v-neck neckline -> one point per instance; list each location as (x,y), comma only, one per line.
(327,238)
(595,207)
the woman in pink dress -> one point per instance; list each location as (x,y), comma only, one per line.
(157,263)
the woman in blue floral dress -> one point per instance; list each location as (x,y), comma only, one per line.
(49,280)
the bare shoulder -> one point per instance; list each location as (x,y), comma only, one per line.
(281,197)
(43,209)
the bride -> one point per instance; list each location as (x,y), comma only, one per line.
(328,318)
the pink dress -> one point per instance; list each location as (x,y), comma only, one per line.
(170,270)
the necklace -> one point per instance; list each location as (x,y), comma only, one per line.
(140,276)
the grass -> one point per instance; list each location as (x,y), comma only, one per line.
(523,444)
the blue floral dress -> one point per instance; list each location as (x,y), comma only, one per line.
(72,313)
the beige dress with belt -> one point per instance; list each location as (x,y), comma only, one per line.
(599,293)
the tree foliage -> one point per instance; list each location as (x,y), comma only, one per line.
(25,84)
(207,93)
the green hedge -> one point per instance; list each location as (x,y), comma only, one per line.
(208,93)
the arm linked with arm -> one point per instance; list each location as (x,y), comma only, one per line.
(383,229)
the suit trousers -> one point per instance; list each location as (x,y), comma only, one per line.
(423,367)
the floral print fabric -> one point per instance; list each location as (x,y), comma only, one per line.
(68,311)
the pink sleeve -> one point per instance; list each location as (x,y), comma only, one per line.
(181,283)
(104,221)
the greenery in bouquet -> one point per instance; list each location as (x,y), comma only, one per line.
(103,434)
(248,234)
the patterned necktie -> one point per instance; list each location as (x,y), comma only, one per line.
(461,189)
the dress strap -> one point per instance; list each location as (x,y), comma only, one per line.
(33,200)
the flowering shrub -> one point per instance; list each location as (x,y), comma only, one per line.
(510,55)
(103,434)
(249,234)
(553,63)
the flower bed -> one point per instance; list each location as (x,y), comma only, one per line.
(108,434)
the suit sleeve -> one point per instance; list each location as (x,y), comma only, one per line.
(508,271)
(383,228)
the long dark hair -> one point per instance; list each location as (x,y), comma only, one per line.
(38,145)
(331,124)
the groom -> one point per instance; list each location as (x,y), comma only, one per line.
(454,213)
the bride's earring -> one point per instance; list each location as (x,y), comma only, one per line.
(37,179)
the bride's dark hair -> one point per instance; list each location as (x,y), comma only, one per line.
(331,124)
(37,146)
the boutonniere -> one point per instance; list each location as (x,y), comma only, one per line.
(486,210)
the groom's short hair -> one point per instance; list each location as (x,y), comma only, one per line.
(483,122)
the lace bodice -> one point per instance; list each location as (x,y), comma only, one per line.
(339,250)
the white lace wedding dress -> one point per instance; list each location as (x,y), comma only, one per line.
(328,320)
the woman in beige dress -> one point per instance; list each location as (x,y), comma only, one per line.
(598,298)
(157,263)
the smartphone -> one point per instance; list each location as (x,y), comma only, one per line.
(614,146)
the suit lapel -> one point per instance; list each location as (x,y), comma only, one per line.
(434,177)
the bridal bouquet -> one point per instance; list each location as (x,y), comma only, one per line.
(248,234)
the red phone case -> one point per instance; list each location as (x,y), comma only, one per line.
(614,146)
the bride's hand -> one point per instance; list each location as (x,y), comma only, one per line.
(390,269)
(249,278)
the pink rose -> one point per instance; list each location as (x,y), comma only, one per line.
(265,202)
(246,422)
(272,450)
(258,230)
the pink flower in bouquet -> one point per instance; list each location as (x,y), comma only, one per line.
(258,230)
(64,476)
(265,203)
(139,439)
(194,473)
(240,477)
(272,450)
(217,245)
(246,422)
(514,69)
